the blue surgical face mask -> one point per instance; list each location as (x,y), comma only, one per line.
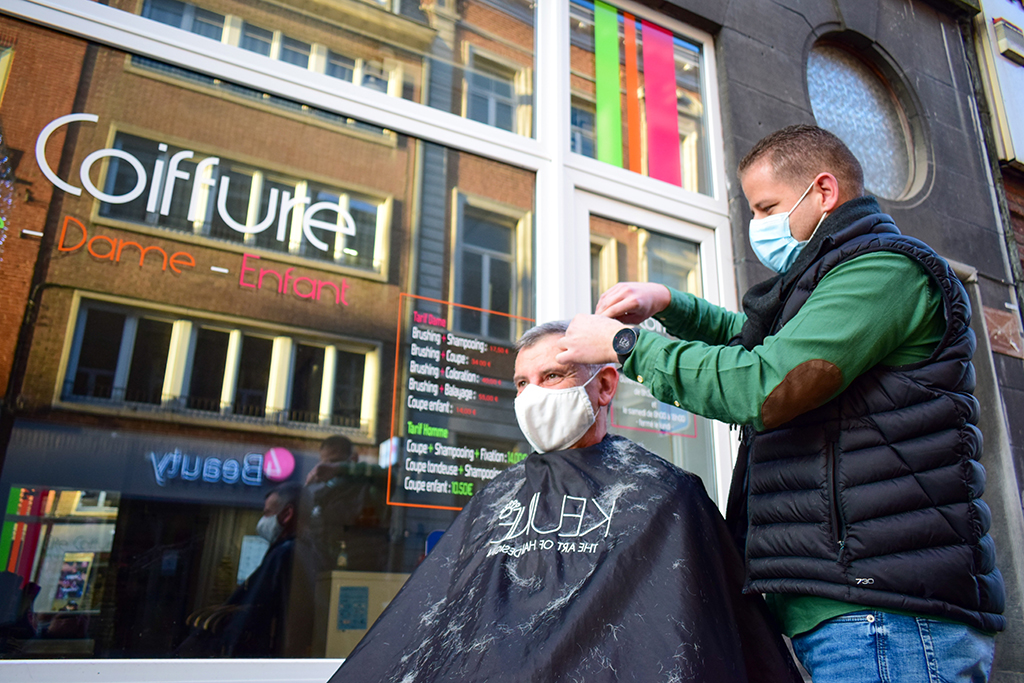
(773,241)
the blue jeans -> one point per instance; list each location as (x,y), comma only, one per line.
(881,647)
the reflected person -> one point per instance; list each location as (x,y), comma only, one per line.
(347,518)
(257,628)
(252,622)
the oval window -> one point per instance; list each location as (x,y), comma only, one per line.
(852,100)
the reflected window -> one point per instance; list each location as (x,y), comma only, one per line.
(487,253)
(119,356)
(6,59)
(295,52)
(185,16)
(168,12)
(126,357)
(340,66)
(207,24)
(582,140)
(374,77)
(100,347)
(495,90)
(490,94)
(307,382)
(624,253)
(348,389)
(672,262)
(256,39)
(206,381)
(62,538)
(149,361)
(253,376)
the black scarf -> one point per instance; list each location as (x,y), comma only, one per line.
(763,302)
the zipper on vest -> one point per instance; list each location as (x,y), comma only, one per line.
(836,511)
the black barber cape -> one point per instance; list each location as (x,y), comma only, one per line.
(598,564)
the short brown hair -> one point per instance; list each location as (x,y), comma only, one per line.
(798,153)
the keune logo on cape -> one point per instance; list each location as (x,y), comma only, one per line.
(276,465)
(162,183)
(578,517)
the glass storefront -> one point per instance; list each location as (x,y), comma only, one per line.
(271,343)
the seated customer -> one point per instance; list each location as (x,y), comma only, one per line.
(591,560)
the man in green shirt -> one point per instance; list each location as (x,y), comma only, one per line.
(857,491)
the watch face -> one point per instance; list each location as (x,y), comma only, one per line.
(624,341)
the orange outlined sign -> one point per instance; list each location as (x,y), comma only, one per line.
(453,425)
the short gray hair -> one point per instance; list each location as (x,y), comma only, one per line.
(554,327)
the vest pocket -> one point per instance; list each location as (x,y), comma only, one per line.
(836,520)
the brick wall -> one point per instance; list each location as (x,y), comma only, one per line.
(41,87)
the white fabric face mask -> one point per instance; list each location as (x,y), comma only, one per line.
(269,528)
(553,419)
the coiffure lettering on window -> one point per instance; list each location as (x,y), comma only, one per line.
(276,465)
(161,181)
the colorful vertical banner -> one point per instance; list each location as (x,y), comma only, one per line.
(608,124)
(632,94)
(661,105)
(7,535)
(650,109)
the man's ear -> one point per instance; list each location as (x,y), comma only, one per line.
(607,382)
(830,191)
(286,515)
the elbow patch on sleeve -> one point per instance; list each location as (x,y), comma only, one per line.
(806,386)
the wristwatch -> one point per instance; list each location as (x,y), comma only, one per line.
(624,342)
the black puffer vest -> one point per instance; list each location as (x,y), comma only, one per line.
(874,497)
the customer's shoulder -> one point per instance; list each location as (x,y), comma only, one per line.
(630,457)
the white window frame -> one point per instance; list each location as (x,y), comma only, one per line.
(560,265)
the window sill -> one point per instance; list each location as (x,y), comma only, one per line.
(200,418)
(171,670)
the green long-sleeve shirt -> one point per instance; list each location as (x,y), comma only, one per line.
(876,308)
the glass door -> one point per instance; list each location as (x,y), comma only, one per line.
(628,244)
